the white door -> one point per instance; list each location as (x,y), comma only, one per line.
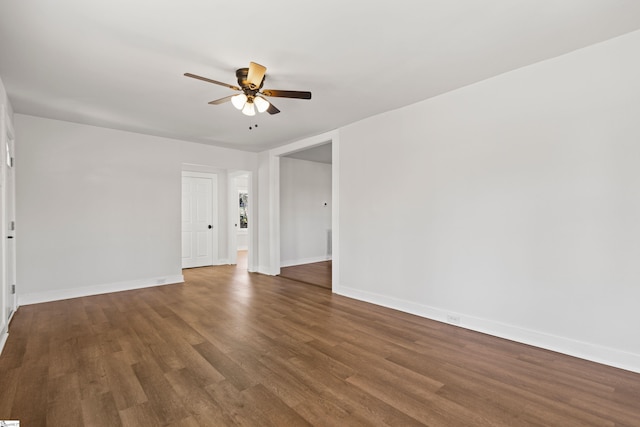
(233,221)
(10,233)
(199,219)
(7,249)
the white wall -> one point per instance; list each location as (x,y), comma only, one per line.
(99,209)
(511,206)
(305,220)
(4,100)
(265,217)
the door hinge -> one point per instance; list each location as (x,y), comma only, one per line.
(12,226)
(11,162)
(13,289)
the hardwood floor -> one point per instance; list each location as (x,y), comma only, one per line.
(232,348)
(317,273)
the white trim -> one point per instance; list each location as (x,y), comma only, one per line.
(332,137)
(252,188)
(4,333)
(232,208)
(301,261)
(3,340)
(232,217)
(60,294)
(335,210)
(274,215)
(7,213)
(199,174)
(304,144)
(582,350)
(264,269)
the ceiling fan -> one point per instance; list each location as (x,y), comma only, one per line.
(252,96)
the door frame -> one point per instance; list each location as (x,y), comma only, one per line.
(332,137)
(232,247)
(215,235)
(7,214)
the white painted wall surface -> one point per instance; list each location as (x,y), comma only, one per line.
(513,204)
(305,187)
(99,209)
(4,100)
(265,215)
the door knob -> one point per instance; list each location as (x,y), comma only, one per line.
(210,227)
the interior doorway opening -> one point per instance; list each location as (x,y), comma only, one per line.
(306,215)
(241,219)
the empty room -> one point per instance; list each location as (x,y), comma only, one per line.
(320,213)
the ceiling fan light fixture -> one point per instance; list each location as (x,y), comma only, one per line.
(249,109)
(239,100)
(261,104)
(251,96)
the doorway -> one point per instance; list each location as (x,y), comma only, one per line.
(199,219)
(241,219)
(306,215)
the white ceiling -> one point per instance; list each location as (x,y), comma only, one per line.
(120,64)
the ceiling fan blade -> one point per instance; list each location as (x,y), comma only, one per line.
(222,100)
(272,109)
(256,74)
(287,93)
(204,79)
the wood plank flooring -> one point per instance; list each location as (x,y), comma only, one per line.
(317,273)
(232,348)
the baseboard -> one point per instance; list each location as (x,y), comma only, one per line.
(4,332)
(583,350)
(266,270)
(60,294)
(301,261)
(3,340)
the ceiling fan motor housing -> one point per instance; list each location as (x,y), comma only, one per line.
(248,88)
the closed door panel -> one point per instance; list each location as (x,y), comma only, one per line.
(199,236)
